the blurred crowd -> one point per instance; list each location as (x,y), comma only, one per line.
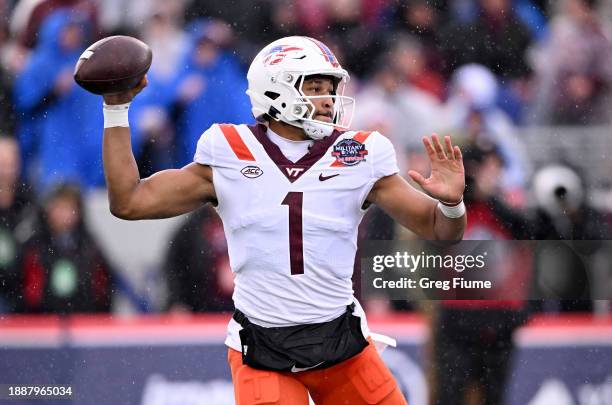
(478,69)
(481,70)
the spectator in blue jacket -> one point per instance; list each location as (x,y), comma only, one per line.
(210,88)
(60,122)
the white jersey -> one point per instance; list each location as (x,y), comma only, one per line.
(291,228)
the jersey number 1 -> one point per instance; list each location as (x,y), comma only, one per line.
(296,248)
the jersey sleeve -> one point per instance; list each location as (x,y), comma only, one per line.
(204,153)
(384,161)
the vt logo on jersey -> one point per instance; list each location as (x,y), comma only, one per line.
(294,172)
(278,53)
(251,172)
(349,152)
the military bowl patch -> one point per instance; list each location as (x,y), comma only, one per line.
(349,152)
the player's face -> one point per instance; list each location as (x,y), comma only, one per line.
(324,106)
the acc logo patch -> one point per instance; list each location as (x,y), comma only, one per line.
(349,152)
(251,172)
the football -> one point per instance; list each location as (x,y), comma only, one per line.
(113,65)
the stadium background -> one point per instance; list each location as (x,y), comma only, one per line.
(520,84)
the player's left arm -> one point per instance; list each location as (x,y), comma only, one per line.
(418,211)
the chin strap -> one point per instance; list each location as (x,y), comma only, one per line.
(317,130)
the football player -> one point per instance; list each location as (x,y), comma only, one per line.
(291,191)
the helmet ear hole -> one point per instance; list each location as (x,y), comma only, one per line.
(273,112)
(283,105)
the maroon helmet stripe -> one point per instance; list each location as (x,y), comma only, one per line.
(327,53)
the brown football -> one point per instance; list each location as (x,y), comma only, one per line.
(113,65)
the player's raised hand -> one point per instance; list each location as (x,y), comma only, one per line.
(447,179)
(126,96)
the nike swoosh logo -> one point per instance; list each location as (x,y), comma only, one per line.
(295,369)
(323,178)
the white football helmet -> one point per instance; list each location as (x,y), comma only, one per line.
(275,80)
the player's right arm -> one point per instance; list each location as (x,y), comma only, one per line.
(164,194)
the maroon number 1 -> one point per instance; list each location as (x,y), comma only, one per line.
(296,249)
